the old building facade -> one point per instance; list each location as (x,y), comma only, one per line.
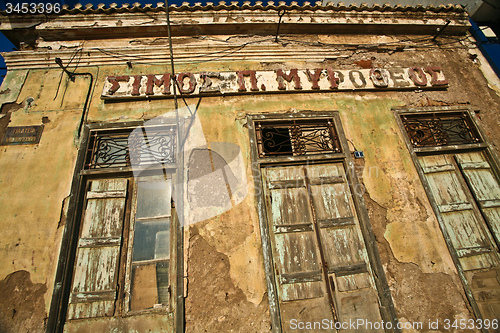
(248,168)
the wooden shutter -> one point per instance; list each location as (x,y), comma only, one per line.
(485,187)
(349,270)
(302,203)
(455,181)
(94,288)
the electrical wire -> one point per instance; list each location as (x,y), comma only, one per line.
(423,43)
(61,76)
(229,51)
(352,145)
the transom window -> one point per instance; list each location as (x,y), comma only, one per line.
(296,137)
(440,129)
(132,146)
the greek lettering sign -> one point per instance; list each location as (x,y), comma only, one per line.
(294,80)
(22,135)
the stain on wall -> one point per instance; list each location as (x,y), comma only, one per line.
(215,303)
(22,305)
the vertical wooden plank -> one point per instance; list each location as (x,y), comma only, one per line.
(301,287)
(457,208)
(461,194)
(345,252)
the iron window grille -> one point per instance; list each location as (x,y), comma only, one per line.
(123,148)
(296,137)
(440,129)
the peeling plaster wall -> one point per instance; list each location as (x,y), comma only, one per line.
(34,180)
(225,271)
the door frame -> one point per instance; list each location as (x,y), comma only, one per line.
(73,214)
(483,146)
(387,310)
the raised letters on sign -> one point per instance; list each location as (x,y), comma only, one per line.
(22,135)
(279,81)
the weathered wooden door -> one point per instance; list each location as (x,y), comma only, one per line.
(322,270)
(467,194)
(95,277)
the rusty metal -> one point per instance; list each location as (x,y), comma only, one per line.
(440,129)
(120,149)
(297,137)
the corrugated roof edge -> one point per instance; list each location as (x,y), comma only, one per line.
(271,5)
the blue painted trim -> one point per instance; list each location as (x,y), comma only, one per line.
(490,49)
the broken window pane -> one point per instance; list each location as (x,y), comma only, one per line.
(144,287)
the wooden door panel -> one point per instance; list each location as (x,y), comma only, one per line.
(310,211)
(95,275)
(360,305)
(486,288)
(331,201)
(493,217)
(96,269)
(290,206)
(467,192)
(465,229)
(296,252)
(353,282)
(306,311)
(463,223)
(91,309)
(302,290)
(446,188)
(342,247)
(103,218)
(295,249)
(485,187)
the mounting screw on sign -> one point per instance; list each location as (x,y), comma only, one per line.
(359,154)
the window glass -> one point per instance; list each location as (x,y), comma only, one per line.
(152,240)
(153,198)
(151,245)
